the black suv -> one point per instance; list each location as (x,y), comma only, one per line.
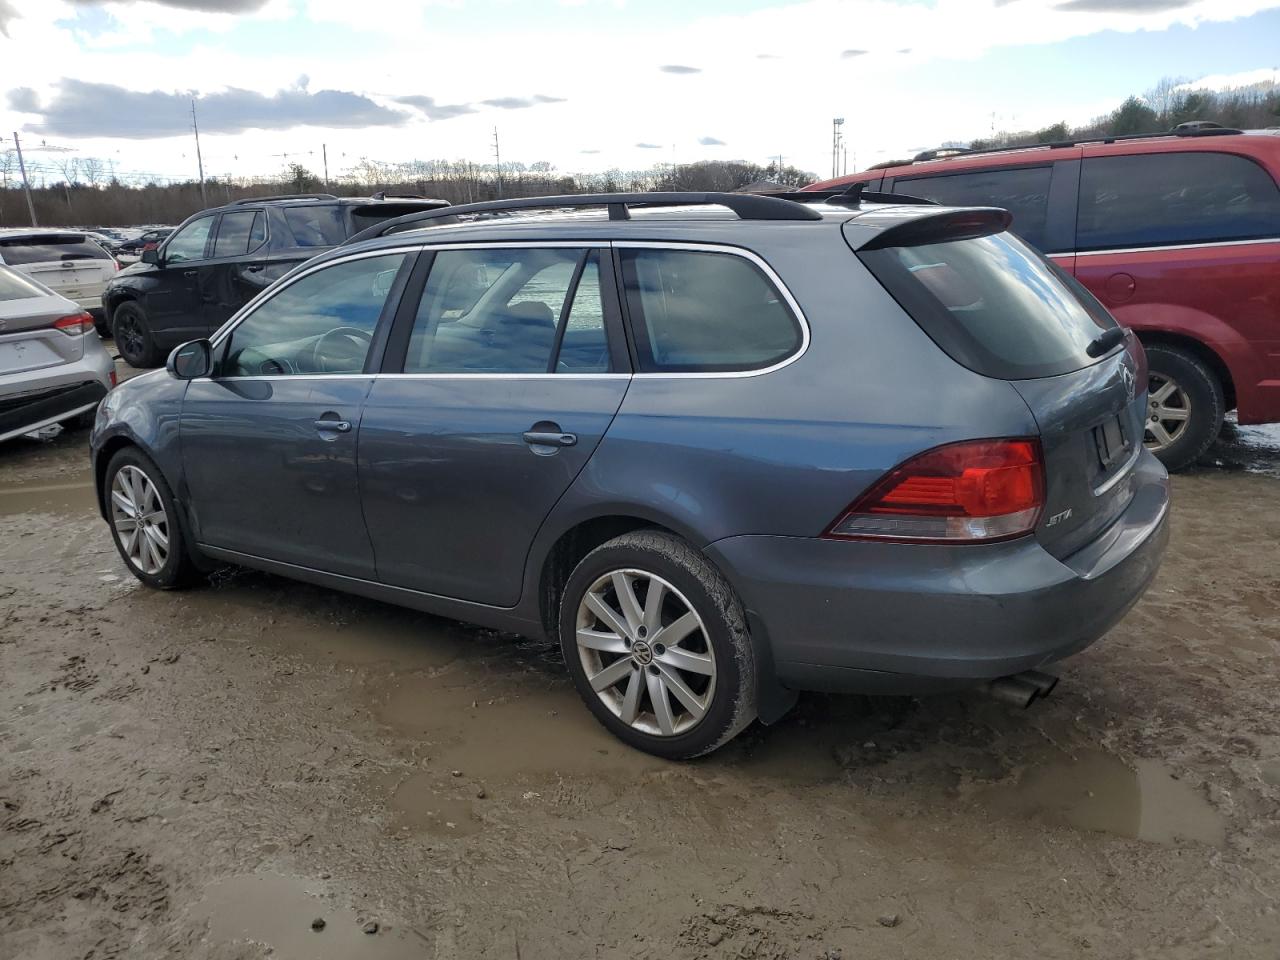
(218,260)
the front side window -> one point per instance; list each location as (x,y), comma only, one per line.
(189,242)
(239,233)
(322,323)
(695,311)
(1023,191)
(316,225)
(1173,198)
(510,311)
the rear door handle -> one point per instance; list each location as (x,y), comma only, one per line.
(335,426)
(550,438)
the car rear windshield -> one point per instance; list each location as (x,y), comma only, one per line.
(69,246)
(14,286)
(316,225)
(994,305)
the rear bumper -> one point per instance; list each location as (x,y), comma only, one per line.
(902,618)
(35,398)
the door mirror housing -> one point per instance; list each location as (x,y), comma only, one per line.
(150,256)
(190,360)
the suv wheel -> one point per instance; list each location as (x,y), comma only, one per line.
(1184,406)
(133,336)
(656,642)
(144,521)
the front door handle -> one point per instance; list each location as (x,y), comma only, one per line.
(550,438)
(335,426)
(189,273)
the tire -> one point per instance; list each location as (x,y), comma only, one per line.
(100,323)
(1187,382)
(175,568)
(714,662)
(132,335)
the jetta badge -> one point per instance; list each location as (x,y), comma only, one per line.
(1130,382)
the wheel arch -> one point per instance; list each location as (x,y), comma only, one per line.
(1198,349)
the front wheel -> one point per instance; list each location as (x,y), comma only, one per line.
(144,522)
(1184,406)
(133,336)
(656,642)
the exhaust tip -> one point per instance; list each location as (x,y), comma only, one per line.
(1015,691)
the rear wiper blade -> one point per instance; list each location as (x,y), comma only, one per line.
(1107,340)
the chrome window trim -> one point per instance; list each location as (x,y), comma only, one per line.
(792,304)
(419,247)
(1156,248)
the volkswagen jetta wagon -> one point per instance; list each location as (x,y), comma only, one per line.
(722,447)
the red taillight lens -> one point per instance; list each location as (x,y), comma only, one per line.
(964,492)
(75,325)
(115,381)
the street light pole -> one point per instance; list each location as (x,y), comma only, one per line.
(199,160)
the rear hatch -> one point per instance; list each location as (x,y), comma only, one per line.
(1004,311)
(70,263)
(28,338)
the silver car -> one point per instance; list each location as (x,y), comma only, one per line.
(53,367)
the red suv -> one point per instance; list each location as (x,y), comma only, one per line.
(1178,234)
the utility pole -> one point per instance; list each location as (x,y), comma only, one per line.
(837,139)
(324,152)
(199,159)
(497,157)
(26,184)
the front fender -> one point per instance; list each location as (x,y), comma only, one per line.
(143,412)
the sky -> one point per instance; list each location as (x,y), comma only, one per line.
(585,85)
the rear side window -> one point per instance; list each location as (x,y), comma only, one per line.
(239,233)
(694,311)
(1023,191)
(316,226)
(50,248)
(1172,198)
(993,304)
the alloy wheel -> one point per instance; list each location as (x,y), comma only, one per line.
(139,516)
(1168,412)
(646,652)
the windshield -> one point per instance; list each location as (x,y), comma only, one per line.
(994,304)
(50,248)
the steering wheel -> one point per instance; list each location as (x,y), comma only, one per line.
(341,349)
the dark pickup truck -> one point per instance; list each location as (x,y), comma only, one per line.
(218,260)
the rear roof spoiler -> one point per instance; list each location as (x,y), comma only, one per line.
(941,227)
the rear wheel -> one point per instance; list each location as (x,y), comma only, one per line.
(657,645)
(133,336)
(1184,406)
(144,521)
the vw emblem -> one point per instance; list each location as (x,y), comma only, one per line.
(642,653)
(1130,382)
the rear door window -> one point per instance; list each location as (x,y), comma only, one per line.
(239,233)
(1023,191)
(50,248)
(1174,198)
(994,305)
(694,311)
(511,311)
(316,225)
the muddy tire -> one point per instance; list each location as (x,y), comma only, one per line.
(656,642)
(132,335)
(1185,406)
(144,522)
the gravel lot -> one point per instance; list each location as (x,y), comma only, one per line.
(205,774)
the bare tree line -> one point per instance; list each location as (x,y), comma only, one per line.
(86,196)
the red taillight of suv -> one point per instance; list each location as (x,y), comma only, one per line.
(75,325)
(970,492)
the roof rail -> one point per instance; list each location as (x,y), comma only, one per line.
(853,195)
(284,196)
(941,153)
(383,195)
(1191,128)
(746,205)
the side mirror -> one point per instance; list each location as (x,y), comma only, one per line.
(190,360)
(150,255)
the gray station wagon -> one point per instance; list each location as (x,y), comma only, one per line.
(723,447)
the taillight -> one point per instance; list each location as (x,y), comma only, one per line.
(976,490)
(115,382)
(75,325)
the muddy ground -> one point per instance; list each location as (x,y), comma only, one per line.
(204,774)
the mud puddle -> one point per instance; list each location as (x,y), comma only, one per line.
(277,911)
(1097,791)
(72,496)
(420,805)
(1252,449)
